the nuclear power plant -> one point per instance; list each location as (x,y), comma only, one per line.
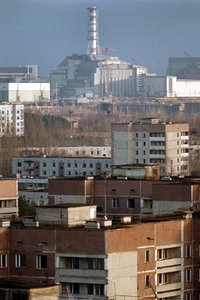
(96,74)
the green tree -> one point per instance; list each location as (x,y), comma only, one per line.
(26,208)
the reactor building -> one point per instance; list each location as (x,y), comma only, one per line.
(96,74)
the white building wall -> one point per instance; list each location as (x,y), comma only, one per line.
(28,92)
(122,280)
(187,88)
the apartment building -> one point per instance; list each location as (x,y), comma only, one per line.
(11,119)
(150,141)
(117,198)
(60,166)
(154,259)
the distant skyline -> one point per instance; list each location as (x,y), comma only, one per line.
(148,32)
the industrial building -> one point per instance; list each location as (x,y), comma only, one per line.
(96,74)
(170,86)
(151,141)
(22,84)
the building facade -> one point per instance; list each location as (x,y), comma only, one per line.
(11,119)
(117,198)
(8,198)
(170,86)
(151,141)
(60,167)
(28,92)
(96,76)
(108,262)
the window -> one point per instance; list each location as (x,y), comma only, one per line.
(188,250)
(188,275)
(96,289)
(74,288)
(162,278)
(131,203)
(162,254)
(44,164)
(68,165)
(19,164)
(96,263)
(41,261)
(73,263)
(53,164)
(115,202)
(75,165)
(147,281)
(91,165)
(147,255)
(84,165)
(188,296)
(3,261)
(20,260)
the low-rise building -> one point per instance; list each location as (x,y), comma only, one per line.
(60,166)
(119,197)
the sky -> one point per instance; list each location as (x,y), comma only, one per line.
(148,32)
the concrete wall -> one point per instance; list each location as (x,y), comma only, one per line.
(155,86)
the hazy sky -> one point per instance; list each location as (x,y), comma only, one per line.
(44,32)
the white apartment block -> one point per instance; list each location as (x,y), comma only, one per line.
(151,142)
(11,119)
(60,166)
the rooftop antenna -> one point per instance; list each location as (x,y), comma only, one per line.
(93,44)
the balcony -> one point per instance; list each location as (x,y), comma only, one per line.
(169,290)
(185,137)
(157,156)
(157,148)
(167,263)
(85,276)
(82,297)
(157,139)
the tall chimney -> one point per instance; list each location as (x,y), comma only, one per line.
(93,44)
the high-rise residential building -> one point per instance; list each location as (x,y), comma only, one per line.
(152,141)
(11,119)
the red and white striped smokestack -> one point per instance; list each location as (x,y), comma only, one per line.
(93,44)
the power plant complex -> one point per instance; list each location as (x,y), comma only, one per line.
(96,74)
